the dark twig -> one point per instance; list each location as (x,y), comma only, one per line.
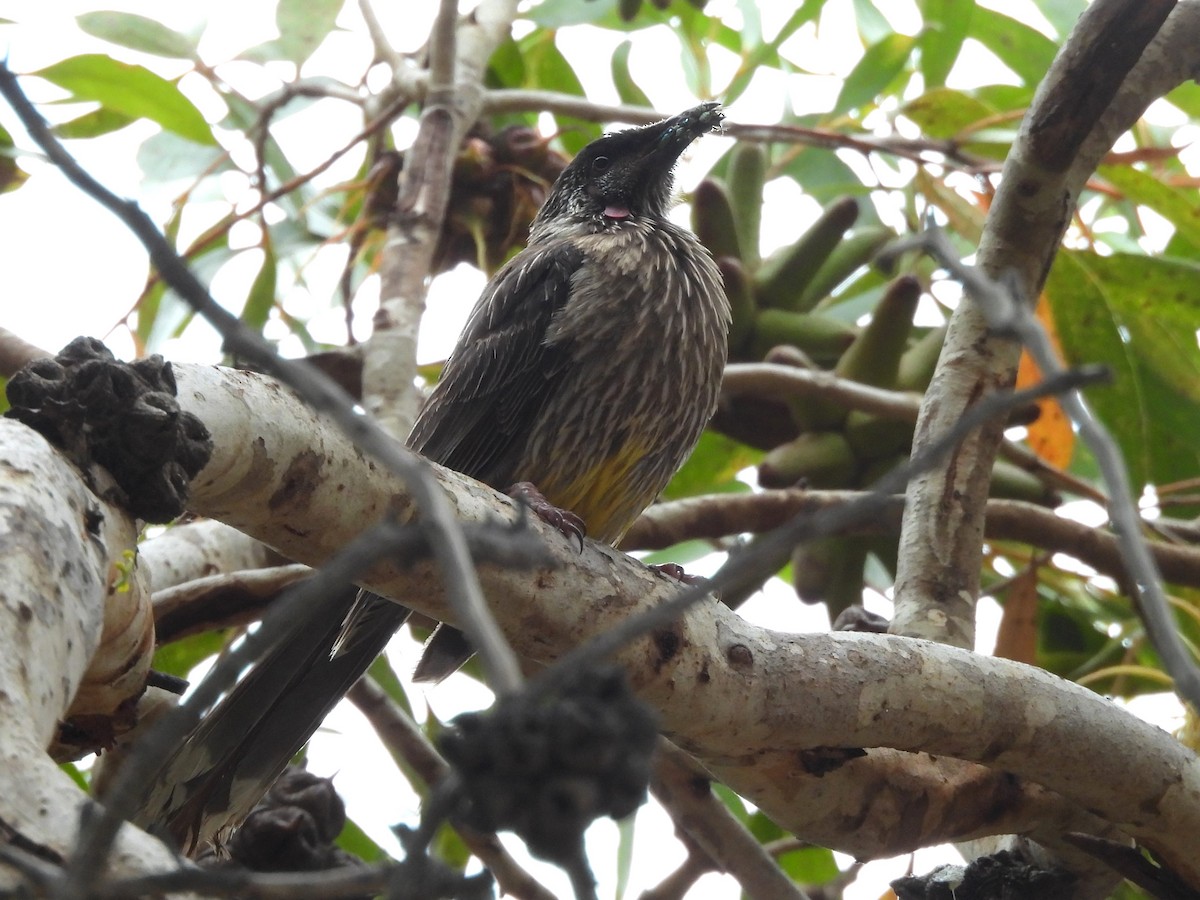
(926,150)
(686,793)
(1127,861)
(267,197)
(1009,314)
(716,516)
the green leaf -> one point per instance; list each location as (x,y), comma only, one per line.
(627,88)
(553,14)
(872,24)
(547,68)
(171,313)
(947,23)
(261,299)
(1139,316)
(944,112)
(304,24)
(358,843)
(809,865)
(180,657)
(506,68)
(732,801)
(132,90)
(763,828)
(1187,98)
(1062,14)
(449,847)
(626,829)
(138,33)
(1180,207)
(385,676)
(713,466)
(243,116)
(101,120)
(77,775)
(11,176)
(165,158)
(876,70)
(768,54)
(1022,48)
(819,171)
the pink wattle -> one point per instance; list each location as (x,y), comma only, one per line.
(616,212)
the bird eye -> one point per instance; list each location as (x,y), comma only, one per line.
(601,164)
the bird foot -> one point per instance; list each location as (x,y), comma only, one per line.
(564,520)
(675,570)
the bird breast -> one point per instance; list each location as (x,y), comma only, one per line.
(645,330)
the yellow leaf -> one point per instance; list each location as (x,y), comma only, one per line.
(1050,436)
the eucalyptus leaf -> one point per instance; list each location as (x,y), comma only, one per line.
(139,33)
(132,90)
(1139,316)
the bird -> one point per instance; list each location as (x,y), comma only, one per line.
(581,382)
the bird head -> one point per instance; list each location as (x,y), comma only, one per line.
(627,173)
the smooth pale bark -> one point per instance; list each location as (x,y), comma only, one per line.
(745,700)
(66,592)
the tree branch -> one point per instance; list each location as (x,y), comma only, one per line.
(717,679)
(62,549)
(685,791)
(718,516)
(780,381)
(453,100)
(938,574)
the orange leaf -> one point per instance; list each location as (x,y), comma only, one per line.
(1050,436)
(1017,639)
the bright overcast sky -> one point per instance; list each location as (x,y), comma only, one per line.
(70,269)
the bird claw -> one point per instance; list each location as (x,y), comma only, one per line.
(569,524)
(675,571)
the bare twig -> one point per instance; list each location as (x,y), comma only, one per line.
(716,516)
(220,601)
(405,262)
(15,352)
(214,233)
(942,152)
(401,735)
(146,754)
(773,380)
(676,885)
(684,790)
(384,51)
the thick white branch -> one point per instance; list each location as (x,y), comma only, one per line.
(62,553)
(736,695)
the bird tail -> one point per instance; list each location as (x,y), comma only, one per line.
(218,774)
(444,654)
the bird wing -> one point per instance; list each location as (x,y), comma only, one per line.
(502,370)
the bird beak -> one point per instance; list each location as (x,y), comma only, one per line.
(675,134)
